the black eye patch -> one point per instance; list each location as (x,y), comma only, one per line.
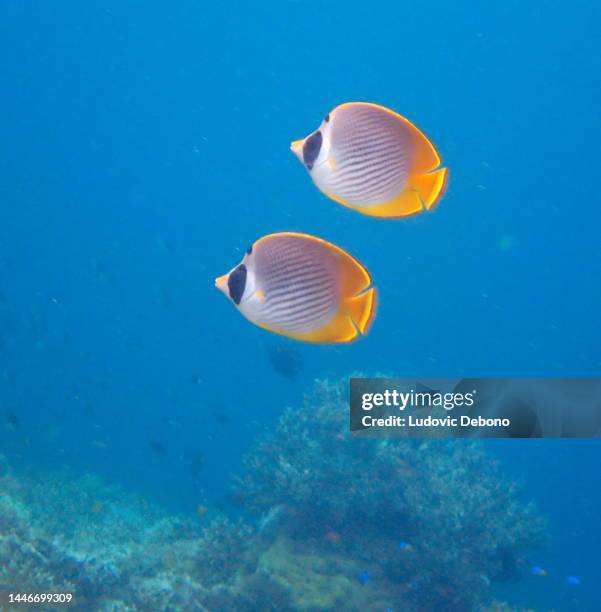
(311,149)
(236,283)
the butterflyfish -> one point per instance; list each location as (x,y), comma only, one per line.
(373,160)
(302,287)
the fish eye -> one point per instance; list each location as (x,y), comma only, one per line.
(236,283)
(249,250)
(311,149)
(327,118)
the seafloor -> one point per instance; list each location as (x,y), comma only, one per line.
(322,521)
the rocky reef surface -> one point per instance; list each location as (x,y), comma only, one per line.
(326,522)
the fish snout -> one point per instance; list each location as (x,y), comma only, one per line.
(297,148)
(221,283)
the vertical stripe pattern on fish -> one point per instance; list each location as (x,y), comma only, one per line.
(371,159)
(302,287)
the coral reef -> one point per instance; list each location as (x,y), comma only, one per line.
(330,523)
(436,515)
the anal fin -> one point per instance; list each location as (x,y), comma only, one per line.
(405,204)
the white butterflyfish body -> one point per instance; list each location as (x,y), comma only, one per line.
(302,287)
(373,160)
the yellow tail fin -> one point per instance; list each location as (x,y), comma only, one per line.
(362,309)
(430,186)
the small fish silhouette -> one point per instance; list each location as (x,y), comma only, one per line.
(157,447)
(13,420)
(285,360)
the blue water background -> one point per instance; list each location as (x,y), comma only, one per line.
(144,146)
